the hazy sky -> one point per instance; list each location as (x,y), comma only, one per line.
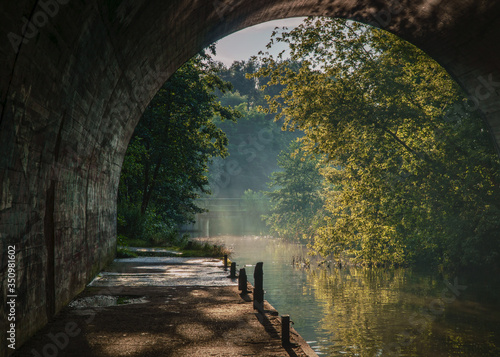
(248,42)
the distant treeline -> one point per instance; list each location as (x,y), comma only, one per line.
(254,140)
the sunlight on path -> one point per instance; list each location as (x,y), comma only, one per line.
(164,271)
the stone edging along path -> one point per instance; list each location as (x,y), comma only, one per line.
(171,306)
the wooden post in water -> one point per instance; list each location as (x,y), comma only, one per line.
(225,262)
(233,270)
(242,281)
(285,330)
(258,292)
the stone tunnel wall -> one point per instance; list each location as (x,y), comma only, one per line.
(77,75)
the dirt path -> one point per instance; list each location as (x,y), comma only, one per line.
(113,320)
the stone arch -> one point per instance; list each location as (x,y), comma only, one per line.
(76,76)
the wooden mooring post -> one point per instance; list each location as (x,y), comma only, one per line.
(285,330)
(242,281)
(258,291)
(233,270)
(225,262)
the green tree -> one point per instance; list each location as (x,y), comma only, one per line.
(416,178)
(166,164)
(295,199)
(248,87)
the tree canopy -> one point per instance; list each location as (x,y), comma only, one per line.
(410,175)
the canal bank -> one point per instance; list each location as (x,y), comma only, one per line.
(163,307)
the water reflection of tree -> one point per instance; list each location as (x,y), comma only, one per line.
(387,313)
(373,308)
(355,301)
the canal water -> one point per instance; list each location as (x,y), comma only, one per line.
(375,312)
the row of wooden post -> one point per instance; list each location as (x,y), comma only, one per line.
(258,294)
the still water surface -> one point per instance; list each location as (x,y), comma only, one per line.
(377,312)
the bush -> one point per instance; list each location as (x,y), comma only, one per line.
(151,229)
(130,222)
(204,249)
(125,253)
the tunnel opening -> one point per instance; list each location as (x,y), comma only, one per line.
(75,71)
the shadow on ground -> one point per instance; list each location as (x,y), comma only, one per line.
(161,321)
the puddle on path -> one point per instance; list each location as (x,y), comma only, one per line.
(105,301)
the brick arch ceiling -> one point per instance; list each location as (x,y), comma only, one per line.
(76,76)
